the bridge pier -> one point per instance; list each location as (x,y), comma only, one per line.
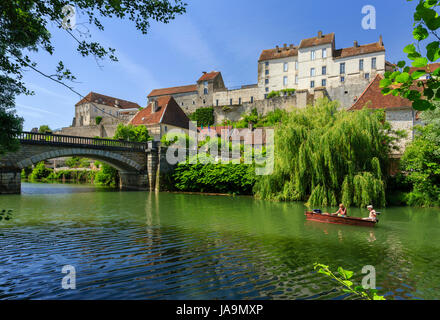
(10,181)
(133,180)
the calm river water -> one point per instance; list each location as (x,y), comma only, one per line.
(138,245)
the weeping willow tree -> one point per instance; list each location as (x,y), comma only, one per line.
(324,156)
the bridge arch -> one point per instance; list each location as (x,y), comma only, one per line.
(120,162)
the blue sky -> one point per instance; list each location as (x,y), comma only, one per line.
(222,35)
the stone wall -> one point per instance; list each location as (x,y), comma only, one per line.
(101,130)
(10,181)
(402,119)
(235,112)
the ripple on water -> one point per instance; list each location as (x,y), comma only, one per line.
(170,246)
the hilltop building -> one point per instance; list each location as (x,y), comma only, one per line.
(315,64)
(98,105)
(160,116)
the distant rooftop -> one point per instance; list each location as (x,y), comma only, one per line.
(107,100)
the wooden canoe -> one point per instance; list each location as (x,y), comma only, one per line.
(328,218)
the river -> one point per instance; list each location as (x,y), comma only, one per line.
(138,245)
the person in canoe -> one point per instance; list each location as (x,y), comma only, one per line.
(342,212)
(373,214)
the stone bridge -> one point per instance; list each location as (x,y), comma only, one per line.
(136,162)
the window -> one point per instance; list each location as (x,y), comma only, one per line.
(205,91)
(285,81)
(342,68)
(296,79)
(373,63)
(324,82)
(166,128)
(265,96)
(324,70)
(313,54)
(239,101)
(324,53)
(286,67)
(267,71)
(182,104)
(252,99)
(230,102)
(312,72)
(266,81)
(267,89)
(204,101)
(342,79)
(312,84)
(267,63)
(216,102)
(361,65)
(296,65)
(194,102)
(367,76)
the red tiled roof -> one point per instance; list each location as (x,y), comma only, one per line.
(278,53)
(429,68)
(109,101)
(173,90)
(316,41)
(168,112)
(359,50)
(209,76)
(373,98)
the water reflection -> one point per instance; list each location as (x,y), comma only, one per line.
(172,246)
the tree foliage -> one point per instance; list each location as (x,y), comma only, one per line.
(10,128)
(325,156)
(203,116)
(421,162)
(132,133)
(25,25)
(404,81)
(215,178)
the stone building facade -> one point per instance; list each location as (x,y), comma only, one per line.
(110,109)
(317,63)
(399,112)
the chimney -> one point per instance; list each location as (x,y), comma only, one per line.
(380,40)
(117,103)
(319,34)
(355,44)
(278,49)
(204,72)
(291,46)
(285,46)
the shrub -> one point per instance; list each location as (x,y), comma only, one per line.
(98,120)
(215,178)
(40,172)
(132,133)
(203,116)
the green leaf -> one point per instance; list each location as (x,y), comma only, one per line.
(409,49)
(420,33)
(421,105)
(417,74)
(432,51)
(420,62)
(401,64)
(403,77)
(385,83)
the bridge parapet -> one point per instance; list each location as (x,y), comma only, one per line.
(74,141)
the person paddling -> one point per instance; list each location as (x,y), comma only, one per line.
(342,212)
(373,214)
